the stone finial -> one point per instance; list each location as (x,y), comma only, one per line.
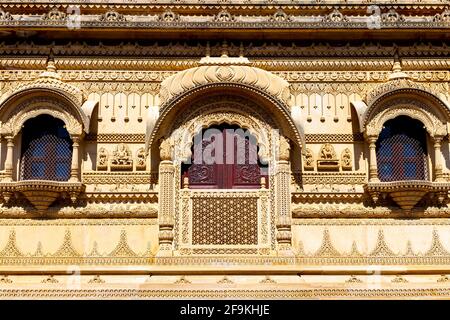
(397,72)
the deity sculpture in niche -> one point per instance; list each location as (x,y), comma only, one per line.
(309,160)
(140,159)
(102,159)
(122,158)
(346,159)
(327,159)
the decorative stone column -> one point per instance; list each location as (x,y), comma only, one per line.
(75,166)
(166,199)
(373,168)
(283,199)
(9,158)
(438,176)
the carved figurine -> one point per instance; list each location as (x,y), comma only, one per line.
(327,159)
(346,159)
(102,159)
(121,158)
(122,155)
(309,159)
(327,152)
(140,159)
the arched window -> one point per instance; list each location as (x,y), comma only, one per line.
(402,150)
(224,157)
(46,150)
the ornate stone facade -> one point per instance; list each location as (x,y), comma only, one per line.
(313,92)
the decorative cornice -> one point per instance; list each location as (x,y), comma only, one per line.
(190,52)
(230,19)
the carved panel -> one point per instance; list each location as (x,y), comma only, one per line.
(122,159)
(327,158)
(224,221)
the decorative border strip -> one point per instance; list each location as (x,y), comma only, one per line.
(350,291)
(79,222)
(334,138)
(66,54)
(116,137)
(330,222)
(324,178)
(117,178)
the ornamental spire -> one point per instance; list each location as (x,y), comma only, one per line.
(397,72)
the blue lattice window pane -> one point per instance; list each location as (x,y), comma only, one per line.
(46,150)
(38,170)
(401,151)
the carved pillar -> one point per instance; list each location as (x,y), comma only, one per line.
(9,158)
(373,168)
(283,199)
(438,176)
(75,165)
(166,199)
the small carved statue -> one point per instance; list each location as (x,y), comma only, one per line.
(327,152)
(102,159)
(284,148)
(309,159)
(346,159)
(140,158)
(327,159)
(122,155)
(166,149)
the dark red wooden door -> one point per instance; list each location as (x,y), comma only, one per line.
(224,157)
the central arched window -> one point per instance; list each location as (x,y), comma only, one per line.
(46,150)
(224,157)
(402,150)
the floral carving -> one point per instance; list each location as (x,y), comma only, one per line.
(112,16)
(54,15)
(168,16)
(280,16)
(335,16)
(392,16)
(5,15)
(224,16)
(442,17)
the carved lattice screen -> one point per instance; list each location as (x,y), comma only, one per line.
(225,221)
(46,150)
(401,151)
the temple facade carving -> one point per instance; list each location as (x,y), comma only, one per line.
(275,156)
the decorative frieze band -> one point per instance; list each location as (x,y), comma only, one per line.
(228,19)
(329,178)
(260,53)
(334,138)
(122,178)
(116,137)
